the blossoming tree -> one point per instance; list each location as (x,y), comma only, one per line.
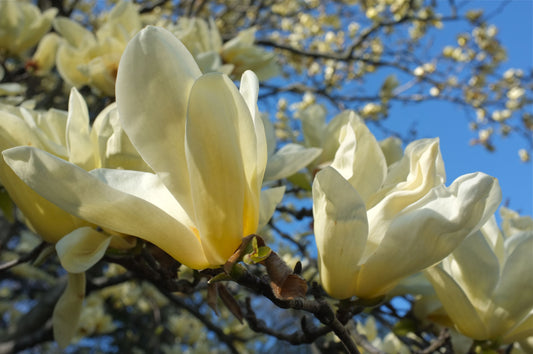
(202,176)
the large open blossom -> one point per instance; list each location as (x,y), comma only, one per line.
(375,225)
(485,285)
(203,138)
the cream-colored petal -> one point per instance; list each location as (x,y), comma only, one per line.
(14,131)
(81,249)
(79,144)
(456,304)
(270,198)
(146,186)
(84,195)
(218,135)
(254,167)
(341,228)
(407,181)
(43,217)
(74,33)
(68,63)
(154,79)
(475,267)
(522,331)
(249,90)
(420,169)
(426,231)
(288,160)
(514,292)
(313,125)
(359,158)
(392,149)
(68,309)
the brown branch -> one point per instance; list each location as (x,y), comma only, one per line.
(25,258)
(443,340)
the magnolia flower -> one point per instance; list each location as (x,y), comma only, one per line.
(22,25)
(485,285)
(244,55)
(287,160)
(67,136)
(84,58)
(234,57)
(204,41)
(388,344)
(44,58)
(375,226)
(318,134)
(203,138)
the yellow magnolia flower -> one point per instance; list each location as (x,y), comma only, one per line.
(318,134)
(375,226)
(44,58)
(22,25)
(485,285)
(234,57)
(203,138)
(68,136)
(244,55)
(203,40)
(84,58)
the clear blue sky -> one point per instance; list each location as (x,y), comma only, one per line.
(450,124)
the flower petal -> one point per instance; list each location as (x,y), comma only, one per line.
(341,230)
(456,303)
(81,249)
(426,231)
(220,136)
(155,76)
(288,160)
(84,195)
(513,293)
(270,198)
(68,309)
(359,158)
(249,90)
(79,144)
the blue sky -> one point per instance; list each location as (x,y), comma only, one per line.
(450,123)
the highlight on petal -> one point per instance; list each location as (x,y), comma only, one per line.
(152,103)
(341,230)
(81,249)
(68,309)
(249,90)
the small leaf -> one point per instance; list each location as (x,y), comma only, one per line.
(257,254)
